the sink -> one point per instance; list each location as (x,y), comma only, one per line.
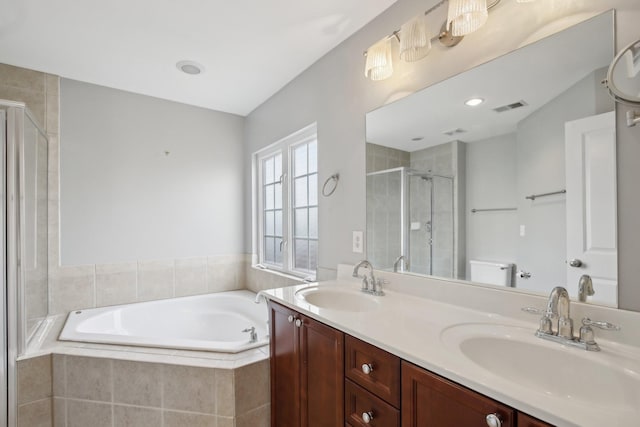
(339,299)
(514,354)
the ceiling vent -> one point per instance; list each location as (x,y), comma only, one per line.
(454,132)
(510,107)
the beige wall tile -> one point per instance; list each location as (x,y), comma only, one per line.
(35,100)
(225,395)
(22,78)
(259,417)
(132,416)
(189,389)
(34,379)
(137,383)
(52,108)
(59,374)
(35,414)
(81,413)
(223,274)
(89,378)
(191,276)
(115,283)
(71,288)
(59,412)
(185,419)
(155,280)
(252,386)
(226,422)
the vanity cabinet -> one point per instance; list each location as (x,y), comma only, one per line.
(321,377)
(307,371)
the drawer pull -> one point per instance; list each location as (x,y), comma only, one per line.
(298,323)
(290,319)
(367,368)
(367,417)
(493,420)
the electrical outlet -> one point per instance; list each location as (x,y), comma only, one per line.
(357,242)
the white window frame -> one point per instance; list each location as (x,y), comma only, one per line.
(285,148)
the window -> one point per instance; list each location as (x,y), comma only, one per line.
(287,205)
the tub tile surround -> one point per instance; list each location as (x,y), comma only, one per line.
(138,393)
(35,392)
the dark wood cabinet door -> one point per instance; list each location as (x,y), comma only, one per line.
(285,362)
(321,374)
(429,401)
(527,421)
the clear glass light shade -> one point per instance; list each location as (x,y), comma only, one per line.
(415,40)
(466,16)
(379,65)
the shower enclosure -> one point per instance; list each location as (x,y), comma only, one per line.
(24,242)
(411,214)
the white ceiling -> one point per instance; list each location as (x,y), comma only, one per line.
(249,48)
(536,74)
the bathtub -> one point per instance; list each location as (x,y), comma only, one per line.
(212,322)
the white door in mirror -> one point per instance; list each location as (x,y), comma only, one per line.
(590,147)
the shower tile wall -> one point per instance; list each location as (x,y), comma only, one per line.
(383,204)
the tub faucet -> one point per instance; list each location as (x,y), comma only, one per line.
(253,335)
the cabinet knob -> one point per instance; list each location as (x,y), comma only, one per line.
(493,420)
(367,368)
(298,323)
(367,417)
(290,319)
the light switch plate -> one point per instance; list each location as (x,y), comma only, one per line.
(357,242)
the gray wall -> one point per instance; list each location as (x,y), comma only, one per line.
(491,183)
(334,93)
(124,199)
(541,169)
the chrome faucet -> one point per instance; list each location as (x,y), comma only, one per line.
(585,288)
(397,262)
(556,324)
(370,284)
(253,336)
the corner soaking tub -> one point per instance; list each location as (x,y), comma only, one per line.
(212,322)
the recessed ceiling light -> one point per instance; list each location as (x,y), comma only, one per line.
(474,102)
(190,67)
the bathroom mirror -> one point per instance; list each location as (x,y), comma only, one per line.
(504,174)
(623,77)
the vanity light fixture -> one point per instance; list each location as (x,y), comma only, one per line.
(474,102)
(415,43)
(463,17)
(379,65)
(466,16)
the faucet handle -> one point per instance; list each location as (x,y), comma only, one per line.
(602,325)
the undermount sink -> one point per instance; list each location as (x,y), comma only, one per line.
(340,299)
(515,354)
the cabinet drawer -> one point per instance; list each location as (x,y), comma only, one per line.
(384,378)
(358,401)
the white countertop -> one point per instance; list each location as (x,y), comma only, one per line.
(412,328)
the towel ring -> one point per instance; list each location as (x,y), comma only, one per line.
(333,178)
